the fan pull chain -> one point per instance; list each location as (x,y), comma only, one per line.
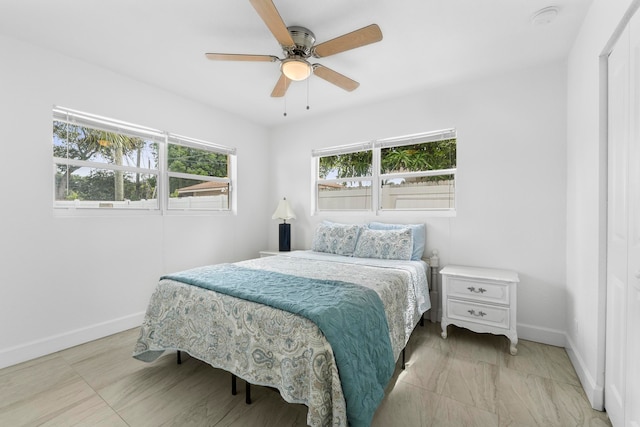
(308,94)
(285,104)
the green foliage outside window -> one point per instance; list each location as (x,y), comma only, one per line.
(427,156)
(194,161)
(82,183)
(82,143)
(348,165)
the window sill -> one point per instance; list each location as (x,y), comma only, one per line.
(444,213)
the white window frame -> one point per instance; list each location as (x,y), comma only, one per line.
(332,151)
(63,208)
(376,177)
(207,146)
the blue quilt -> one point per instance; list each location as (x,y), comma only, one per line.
(351,317)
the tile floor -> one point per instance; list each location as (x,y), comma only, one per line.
(466,380)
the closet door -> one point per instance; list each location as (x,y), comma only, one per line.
(622,375)
(617,236)
(632,407)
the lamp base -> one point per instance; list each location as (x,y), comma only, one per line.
(285,237)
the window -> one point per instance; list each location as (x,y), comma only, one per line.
(415,172)
(198,175)
(418,172)
(345,178)
(102,163)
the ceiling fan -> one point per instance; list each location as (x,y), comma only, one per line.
(298,44)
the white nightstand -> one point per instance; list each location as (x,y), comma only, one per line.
(480,299)
(271,253)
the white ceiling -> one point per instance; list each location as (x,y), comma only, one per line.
(425,43)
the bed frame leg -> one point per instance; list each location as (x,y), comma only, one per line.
(247,392)
(179,357)
(403,354)
(234,389)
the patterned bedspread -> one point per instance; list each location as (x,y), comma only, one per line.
(267,346)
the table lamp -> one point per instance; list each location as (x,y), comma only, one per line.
(284,212)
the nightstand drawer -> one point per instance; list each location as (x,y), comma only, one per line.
(478,290)
(478,313)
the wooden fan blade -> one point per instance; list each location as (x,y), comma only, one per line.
(240,57)
(352,40)
(281,87)
(334,77)
(269,14)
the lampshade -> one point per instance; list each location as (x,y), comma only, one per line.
(296,69)
(283,211)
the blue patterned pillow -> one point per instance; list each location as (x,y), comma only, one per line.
(419,232)
(385,244)
(333,238)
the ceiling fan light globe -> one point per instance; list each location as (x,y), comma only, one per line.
(296,69)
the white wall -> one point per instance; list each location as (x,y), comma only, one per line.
(69,280)
(511,138)
(586,202)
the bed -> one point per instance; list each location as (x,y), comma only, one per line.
(338,367)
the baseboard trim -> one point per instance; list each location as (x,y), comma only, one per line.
(594,391)
(542,335)
(42,347)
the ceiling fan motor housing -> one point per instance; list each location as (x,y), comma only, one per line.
(304,40)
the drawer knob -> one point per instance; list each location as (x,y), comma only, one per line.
(479,291)
(478,314)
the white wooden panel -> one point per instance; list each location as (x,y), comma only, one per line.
(632,407)
(618,142)
(616,334)
(616,355)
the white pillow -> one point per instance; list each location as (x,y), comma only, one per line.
(385,244)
